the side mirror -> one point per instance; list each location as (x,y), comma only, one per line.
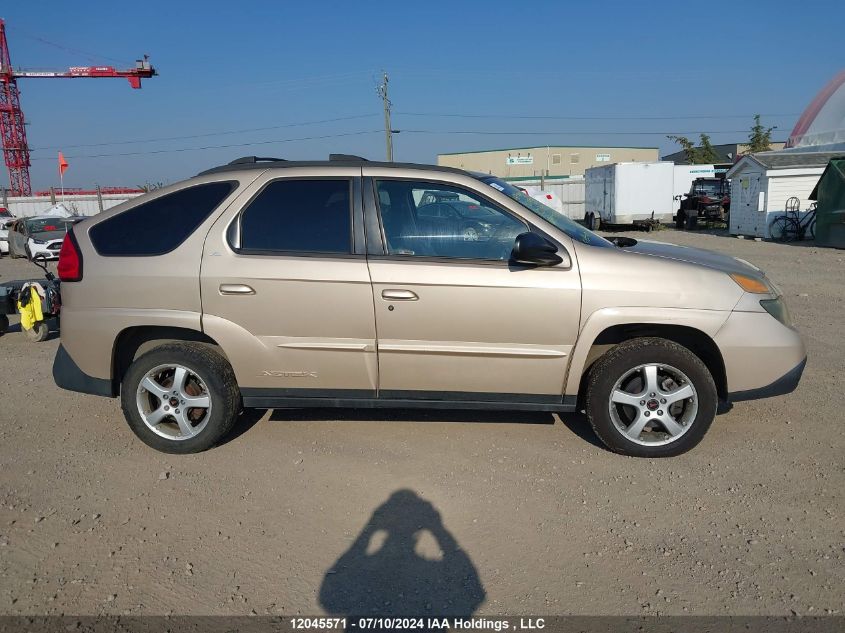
(530,248)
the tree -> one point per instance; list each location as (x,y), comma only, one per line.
(703,154)
(760,137)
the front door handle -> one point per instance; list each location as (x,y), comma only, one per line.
(236,289)
(399,295)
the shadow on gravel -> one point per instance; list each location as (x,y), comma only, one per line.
(403,562)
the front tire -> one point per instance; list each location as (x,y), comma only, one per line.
(180,398)
(650,397)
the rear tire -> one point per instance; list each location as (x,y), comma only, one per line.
(4,324)
(680,219)
(206,377)
(783,229)
(39,332)
(625,415)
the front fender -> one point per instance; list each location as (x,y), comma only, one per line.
(707,321)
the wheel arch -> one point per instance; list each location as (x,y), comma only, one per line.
(696,340)
(131,342)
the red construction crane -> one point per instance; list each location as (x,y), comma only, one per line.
(12,130)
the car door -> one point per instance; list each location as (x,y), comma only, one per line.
(17,240)
(286,291)
(455,319)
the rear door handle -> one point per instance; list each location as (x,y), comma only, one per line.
(236,289)
(399,295)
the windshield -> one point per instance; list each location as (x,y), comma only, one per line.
(560,221)
(708,187)
(44,225)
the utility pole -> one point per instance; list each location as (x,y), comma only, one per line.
(388,132)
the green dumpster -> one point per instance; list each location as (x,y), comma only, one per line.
(829,195)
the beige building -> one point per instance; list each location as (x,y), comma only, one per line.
(554,160)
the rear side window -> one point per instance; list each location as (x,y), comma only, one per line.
(159,226)
(305,216)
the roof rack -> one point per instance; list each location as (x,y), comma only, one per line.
(251,160)
(346,157)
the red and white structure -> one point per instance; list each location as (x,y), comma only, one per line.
(12,127)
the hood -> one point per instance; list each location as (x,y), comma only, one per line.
(49,236)
(698,256)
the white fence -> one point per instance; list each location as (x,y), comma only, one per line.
(86,204)
(570,192)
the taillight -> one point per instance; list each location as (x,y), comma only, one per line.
(70,259)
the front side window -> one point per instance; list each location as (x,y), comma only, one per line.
(160,225)
(311,215)
(432,220)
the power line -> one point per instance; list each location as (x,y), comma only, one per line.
(205,134)
(590,118)
(566,132)
(192,149)
(92,56)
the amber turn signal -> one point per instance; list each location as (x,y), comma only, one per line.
(751,284)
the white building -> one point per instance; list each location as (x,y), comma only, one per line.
(762,183)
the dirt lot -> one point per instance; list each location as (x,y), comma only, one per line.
(520,513)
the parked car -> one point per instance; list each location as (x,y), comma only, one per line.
(309,284)
(40,235)
(708,198)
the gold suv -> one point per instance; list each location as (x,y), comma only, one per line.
(347,283)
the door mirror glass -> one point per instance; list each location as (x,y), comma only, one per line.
(530,248)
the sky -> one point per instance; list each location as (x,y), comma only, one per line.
(298,80)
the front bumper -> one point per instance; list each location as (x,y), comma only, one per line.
(762,357)
(44,250)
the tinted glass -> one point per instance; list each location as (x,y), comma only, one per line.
(461,224)
(558,220)
(299,216)
(158,226)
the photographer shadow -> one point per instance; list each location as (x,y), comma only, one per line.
(403,563)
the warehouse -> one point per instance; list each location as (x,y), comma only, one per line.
(544,160)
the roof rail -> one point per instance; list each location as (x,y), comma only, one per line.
(251,160)
(346,157)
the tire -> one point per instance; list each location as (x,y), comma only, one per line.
(783,229)
(811,229)
(691,222)
(39,332)
(28,253)
(680,219)
(208,378)
(4,324)
(620,373)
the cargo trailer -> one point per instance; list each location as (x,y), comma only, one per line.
(629,194)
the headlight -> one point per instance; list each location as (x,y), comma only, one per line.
(34,241)
(751,284)
(777,308)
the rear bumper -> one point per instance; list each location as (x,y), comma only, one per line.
(68,375)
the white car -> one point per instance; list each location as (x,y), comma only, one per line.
(5,219)
(38,236)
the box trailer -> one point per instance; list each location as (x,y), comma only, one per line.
(629,193)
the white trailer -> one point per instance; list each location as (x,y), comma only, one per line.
(683,177)
(628,193)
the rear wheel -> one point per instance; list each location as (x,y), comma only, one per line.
(680,219)
(38,333)
(4,324)
(180,398)
(650,397)
(783,229)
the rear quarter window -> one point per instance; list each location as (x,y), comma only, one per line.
(159,226)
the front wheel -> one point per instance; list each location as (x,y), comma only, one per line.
(180,398)
(650,397)
(783,229)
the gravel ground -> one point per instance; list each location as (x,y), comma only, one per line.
(519,513)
